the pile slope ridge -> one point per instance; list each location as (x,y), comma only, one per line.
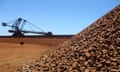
(97,48)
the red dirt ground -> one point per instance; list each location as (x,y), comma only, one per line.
(13,54)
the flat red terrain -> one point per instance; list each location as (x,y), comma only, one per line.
(15,52)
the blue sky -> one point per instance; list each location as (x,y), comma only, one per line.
(57,16)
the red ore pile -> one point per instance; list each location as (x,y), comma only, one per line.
(95,49)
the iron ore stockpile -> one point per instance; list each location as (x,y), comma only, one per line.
(97,48)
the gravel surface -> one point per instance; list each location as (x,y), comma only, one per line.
(97,48)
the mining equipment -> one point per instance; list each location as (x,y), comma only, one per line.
(17,28)
(20,34)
